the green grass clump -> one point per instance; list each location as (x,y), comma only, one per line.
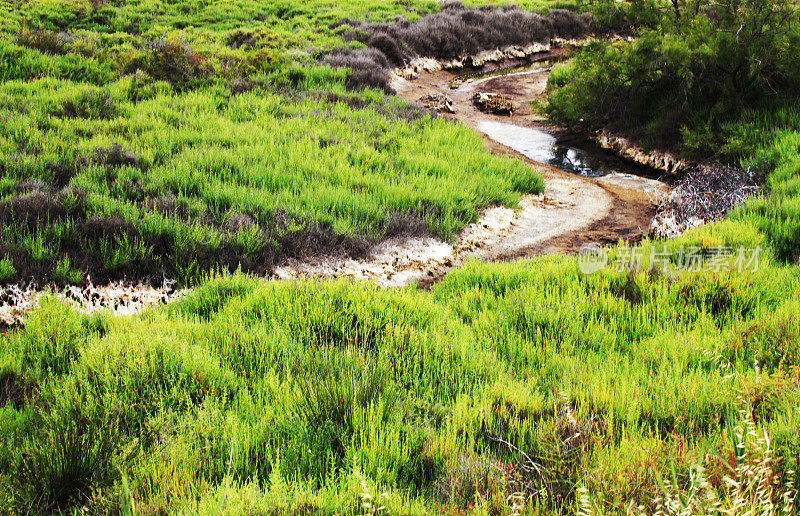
(7,270)
(185,179)
(140,141)
(63,271)
(189,136)
(321,392)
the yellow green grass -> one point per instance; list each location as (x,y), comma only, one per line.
(143,139)
(524,387)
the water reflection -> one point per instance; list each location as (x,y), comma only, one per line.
(545,148)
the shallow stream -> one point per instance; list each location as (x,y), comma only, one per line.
(579,157)
(571,154)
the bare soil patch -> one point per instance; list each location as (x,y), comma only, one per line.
(578,209)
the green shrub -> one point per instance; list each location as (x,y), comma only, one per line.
(680,83)
(63,271)
(38,247)
(52,338)
(332,384)
(303,382)
(17,63)
(7,270)
(74,452)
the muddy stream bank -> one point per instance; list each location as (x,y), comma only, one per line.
(590,195)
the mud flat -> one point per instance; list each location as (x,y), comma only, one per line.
(122,298)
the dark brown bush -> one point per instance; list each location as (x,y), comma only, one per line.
(344,22)
(239,86)
(174,62)
(61,174)
(92,105)
(166,204)
(357,58)
(236,222)
(412,112)
(457,31)
(388,46)
(97,227)
(567,25)
(31,186)
(369,68)
(242,39)
(315,240)
(45,41)
(30,209)
(708,193)
(115,156)
(312,239)
(453,6)
(454,32)
(405,224)
(352,102)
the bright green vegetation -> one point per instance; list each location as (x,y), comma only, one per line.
(172,179)
(147,138)
(605,380)
(507,383)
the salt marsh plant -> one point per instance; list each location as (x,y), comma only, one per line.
(456,32)
(519,387)
(110,114)
(371,164)
(461,397)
